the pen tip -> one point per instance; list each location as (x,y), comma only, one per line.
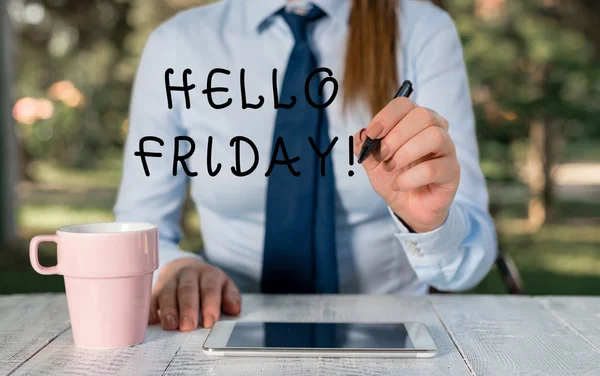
(367,149)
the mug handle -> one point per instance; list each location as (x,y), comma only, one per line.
(33,254)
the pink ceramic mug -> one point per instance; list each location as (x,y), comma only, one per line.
(108,271)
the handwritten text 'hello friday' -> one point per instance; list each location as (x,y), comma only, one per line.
(236,142)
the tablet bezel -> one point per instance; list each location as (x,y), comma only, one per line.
(424,345)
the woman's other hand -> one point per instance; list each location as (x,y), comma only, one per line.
(187,287)
(415,169)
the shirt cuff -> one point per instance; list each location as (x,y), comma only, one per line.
(435,245)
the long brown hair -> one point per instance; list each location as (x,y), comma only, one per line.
(371,73)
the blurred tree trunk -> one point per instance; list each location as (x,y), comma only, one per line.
(8,153)
(24,159)
(542,156)
(590,14)
(540,160)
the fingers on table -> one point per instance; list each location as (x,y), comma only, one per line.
(232,299)
(178,302)
(153,315)
(211,287)
(188,297)
(167,302)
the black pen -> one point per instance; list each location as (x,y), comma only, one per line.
(371,145)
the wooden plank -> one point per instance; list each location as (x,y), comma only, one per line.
(391,309)
(190,358)
(27,324)
(581,314)
(514,335)
(61,357)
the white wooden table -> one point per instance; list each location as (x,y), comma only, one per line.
(476,335)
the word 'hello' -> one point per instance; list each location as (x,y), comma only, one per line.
(210,90)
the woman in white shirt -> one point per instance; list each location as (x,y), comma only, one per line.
(413,215)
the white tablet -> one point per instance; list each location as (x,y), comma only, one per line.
(244,338)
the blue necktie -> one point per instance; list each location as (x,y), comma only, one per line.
(299,252)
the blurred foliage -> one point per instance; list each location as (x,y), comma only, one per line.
(562,258)
(527,59)
(93,46)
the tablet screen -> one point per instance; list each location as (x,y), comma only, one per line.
(319,335)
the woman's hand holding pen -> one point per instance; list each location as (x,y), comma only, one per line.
(415,169)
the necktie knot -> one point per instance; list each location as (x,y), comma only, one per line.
(299,23)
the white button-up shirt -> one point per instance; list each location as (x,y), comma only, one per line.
(375,253)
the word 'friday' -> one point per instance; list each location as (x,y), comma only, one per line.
(236,142)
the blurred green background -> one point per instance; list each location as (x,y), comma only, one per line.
(535,79)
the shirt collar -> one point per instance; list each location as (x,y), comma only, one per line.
(258,11)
